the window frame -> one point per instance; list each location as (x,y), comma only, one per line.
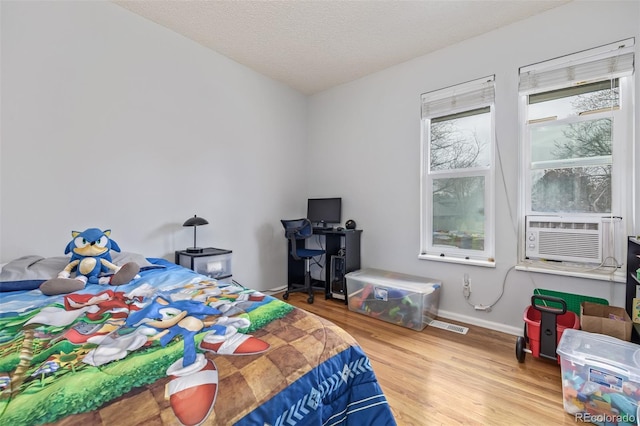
(622,141)
(619,121)
(429,251)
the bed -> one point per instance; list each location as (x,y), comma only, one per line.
(174,347)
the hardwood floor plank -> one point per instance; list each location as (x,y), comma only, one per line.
(435,376)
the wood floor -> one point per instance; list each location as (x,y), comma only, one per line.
(438,377)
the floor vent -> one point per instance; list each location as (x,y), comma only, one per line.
(448,327)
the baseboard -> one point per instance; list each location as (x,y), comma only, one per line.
(275,290)
(491,325)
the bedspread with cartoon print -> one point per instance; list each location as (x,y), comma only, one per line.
(176,347)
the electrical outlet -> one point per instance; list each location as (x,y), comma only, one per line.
(466,286)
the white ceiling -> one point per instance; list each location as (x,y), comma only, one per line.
(317,44)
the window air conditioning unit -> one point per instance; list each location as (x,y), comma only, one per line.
(572,239)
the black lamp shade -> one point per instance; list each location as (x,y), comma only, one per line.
(195,221)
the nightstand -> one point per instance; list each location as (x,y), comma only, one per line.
(212,262)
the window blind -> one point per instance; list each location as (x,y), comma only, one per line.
(610,61)
(458,98)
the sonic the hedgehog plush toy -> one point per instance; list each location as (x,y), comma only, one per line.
(90,259)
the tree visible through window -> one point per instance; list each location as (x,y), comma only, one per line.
(571,149)
(458,147)
(458,142)
(577,140)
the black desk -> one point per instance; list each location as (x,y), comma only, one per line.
(342,246)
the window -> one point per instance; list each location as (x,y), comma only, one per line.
(577,136)
(457,173)
(571,150)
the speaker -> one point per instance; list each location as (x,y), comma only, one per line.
(350,224)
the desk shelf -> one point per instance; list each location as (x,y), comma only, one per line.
(344,244)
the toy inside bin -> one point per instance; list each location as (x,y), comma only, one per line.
(541,320)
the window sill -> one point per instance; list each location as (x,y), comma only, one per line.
(618,276)
(460,260)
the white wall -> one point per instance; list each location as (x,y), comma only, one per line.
(111,121)
(365,140)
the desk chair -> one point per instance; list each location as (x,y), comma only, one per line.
(296,231)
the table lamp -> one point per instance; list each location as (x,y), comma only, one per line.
(195,221)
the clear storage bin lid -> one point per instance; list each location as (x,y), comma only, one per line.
(584,348)
(395,280)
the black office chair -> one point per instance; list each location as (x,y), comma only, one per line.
(296,231)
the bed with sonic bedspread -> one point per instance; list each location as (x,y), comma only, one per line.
(176,347)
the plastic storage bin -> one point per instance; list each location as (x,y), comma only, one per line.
(401,299)
(600,378)
(215,266)
(212,262)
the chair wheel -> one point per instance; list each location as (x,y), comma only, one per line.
(285,296)
(520,349)
(310,299)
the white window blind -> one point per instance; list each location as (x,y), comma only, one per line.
(610,61)
(463,96)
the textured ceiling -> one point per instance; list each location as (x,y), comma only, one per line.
(315,45)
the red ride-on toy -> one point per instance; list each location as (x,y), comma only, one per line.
(544,323)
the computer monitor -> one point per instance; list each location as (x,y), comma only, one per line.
(324,211)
